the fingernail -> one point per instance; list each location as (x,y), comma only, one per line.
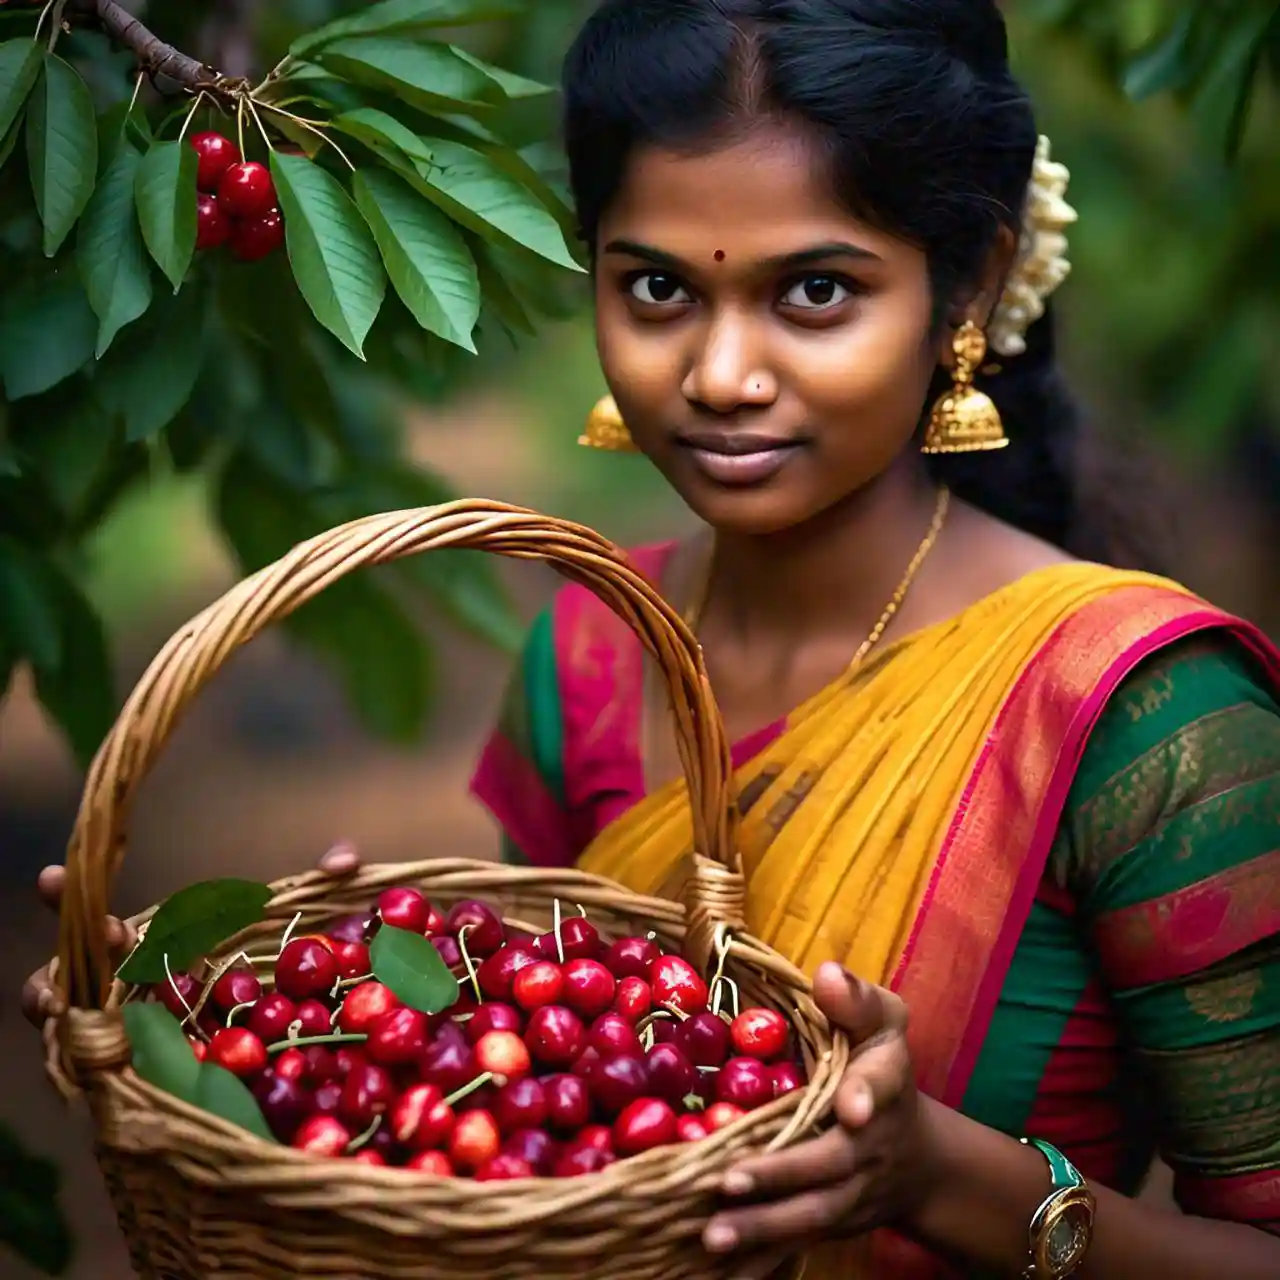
(854,983)
(737,1183)
(719,1238)
(862,1104)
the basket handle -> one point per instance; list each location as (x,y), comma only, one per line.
(715,888)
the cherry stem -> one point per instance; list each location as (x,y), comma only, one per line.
(311,127)
(218,970)
(338,1037)
(717,992)
(362,1139)
(293,924)
(191,1013)
(468,1089)
(555,929)
(472,976)
(694,1102)
(257,119)
(231,1016)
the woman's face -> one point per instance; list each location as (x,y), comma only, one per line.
(769,352)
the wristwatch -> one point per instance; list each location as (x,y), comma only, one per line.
(1062,1227)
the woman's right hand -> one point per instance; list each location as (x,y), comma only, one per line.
(41,1000)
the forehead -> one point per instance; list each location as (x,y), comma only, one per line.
(753,198)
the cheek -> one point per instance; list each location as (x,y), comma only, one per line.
(641,363)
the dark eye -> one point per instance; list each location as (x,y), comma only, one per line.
(657,288)
(816,293)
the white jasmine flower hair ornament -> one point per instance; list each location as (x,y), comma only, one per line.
(1041,264)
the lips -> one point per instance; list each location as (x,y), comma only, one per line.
(738,458)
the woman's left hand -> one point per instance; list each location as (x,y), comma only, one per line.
(868,1171)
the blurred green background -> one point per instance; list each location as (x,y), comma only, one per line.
(1169,319)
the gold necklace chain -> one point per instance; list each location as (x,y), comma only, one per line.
(694,616)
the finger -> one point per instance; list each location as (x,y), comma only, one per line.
(50,883)
(40,1000)
(341,860)
(876,1078)
(811,1164)
(121,936)
(859,1009)
(792,1222)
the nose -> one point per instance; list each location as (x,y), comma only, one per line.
(727,372)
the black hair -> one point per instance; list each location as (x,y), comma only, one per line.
(928,136)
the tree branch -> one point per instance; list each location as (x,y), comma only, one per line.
(160,61)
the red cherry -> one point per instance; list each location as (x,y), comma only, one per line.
(504,1054)
(239,1050)
(327,1098)
(588,987)
(691,1128)
(677,985)
(213,228)
(582,1160)
(199,1049)
(612,1033)
(421,1118)
(322,1136)
(504,1168)
(352,929)
(645,1124)
(533,1145)
(364,1005)
(367,1155)
(246,190)
(705,1040)
(671,1075)
(538,985)
(485,932)
(586,1061)
(633,999)
(631,957)
(216,155)
(474,1141)
(172,994)
(306,968)
(786,1078)
(704,1088)
(315,1018)
(271,1017)
(522,1104)
(322,1063)
(719,1114)
(433,1162)
(252,239)
(492,1017)
(291,1065)
(435,921)
(496,972)
(404,908)
(284,1103)
(555,1035)
(599,1136)
(568,1103)
(347,1059)
(618,1081)
(664,1030)
(759,1033)
(745,1082)
(450,1032)
(367,1093)
(237,987)
(448,1064)
(352,958)
(449,950)
(324,941)
(398,1037)
(209,1021)
(579,940)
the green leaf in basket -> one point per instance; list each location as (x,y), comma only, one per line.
(221,1094)
(162,1054)
(411,966)
(191,923)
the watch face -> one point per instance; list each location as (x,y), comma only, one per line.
(1067,1234)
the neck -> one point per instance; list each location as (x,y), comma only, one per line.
(832,575)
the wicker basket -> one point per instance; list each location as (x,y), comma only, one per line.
(197,1197)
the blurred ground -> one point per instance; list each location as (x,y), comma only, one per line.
(269,769)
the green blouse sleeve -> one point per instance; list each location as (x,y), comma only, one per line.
(1171,849)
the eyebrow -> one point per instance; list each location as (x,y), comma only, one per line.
(800,258)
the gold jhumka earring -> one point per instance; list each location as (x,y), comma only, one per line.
(606,430)
(965,420)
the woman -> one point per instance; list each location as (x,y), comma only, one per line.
(1029,799)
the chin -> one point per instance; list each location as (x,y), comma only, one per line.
(757,511)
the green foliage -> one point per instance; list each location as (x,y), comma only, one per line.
(399,157)
(410,966)
(32,1224)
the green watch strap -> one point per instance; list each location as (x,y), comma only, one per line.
(1064,1174)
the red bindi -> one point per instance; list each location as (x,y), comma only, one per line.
(719,255)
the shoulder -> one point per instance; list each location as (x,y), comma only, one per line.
(1179,774)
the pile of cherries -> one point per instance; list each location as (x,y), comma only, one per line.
(236,201)
(562,1054)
